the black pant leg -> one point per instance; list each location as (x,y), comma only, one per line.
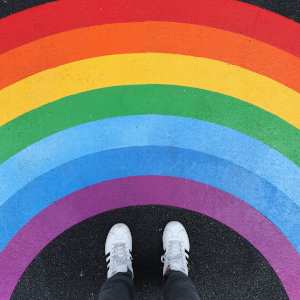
(119,286)
(178,286)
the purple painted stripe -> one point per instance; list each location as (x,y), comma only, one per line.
(150,190)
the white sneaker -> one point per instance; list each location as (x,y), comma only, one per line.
(176,245)
(118,249)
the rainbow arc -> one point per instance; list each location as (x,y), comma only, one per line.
(91,97)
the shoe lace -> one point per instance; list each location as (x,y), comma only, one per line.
(118,257)
(176,256)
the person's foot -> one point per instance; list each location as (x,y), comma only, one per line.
(176,246)
(118,249)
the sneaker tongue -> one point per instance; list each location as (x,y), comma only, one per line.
(119,255)
(175,250)
(119,250)
(119,259)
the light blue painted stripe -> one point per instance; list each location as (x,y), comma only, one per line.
(151,160)
(131,131)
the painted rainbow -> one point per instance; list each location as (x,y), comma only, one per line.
(91,97)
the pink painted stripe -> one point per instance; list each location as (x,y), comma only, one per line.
(142,191)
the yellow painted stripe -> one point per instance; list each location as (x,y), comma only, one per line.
(155,68)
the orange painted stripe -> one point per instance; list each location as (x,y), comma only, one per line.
(139,37)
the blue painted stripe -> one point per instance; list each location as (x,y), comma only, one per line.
(151,160)
(150,130)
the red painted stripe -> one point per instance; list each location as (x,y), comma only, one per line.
(229,15)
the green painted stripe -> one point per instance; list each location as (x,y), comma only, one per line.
(149,99)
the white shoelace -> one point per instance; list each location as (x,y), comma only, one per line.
(119,260)
(175,257)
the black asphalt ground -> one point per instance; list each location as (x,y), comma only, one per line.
(224,265)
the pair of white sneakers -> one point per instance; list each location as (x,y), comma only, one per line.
(118,249)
